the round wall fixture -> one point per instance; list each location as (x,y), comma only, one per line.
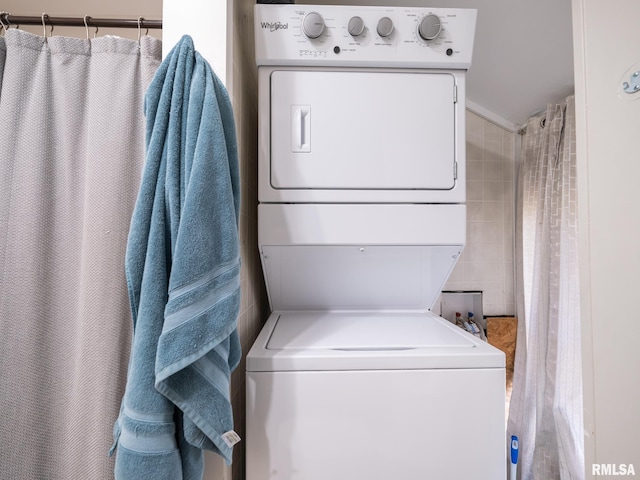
(629,84)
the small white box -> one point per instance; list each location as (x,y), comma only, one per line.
(463,301)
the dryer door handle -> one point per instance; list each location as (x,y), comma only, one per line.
(300,128)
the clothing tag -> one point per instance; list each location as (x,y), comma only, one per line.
(230,438)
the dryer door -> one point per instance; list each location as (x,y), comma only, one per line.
(362,130)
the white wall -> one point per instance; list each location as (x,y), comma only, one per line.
(205,22)
(606,39)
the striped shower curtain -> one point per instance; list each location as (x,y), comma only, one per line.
(71,155)
(546,404)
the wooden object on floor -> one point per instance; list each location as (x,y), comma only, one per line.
(501,333)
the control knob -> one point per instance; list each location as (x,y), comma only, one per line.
(385,27)
(356,26)
(313,25)
(430,27)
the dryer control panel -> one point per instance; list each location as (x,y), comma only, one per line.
(331,35)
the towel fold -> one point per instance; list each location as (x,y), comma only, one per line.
(183,274)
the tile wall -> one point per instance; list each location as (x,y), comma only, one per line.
(487,261)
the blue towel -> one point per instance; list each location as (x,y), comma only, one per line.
(183,274)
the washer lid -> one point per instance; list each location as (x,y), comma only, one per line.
(365,340)
(360,331)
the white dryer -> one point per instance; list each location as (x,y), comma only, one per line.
(360,223)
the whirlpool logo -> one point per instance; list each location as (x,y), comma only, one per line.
(274,26)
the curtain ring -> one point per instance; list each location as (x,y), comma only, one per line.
(44,25)
(86,24)
(139,28)
(3,16)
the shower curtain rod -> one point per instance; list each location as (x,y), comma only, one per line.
(86,21)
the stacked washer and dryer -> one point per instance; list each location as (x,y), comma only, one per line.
(361,220)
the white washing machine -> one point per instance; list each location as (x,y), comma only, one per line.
(361,221)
